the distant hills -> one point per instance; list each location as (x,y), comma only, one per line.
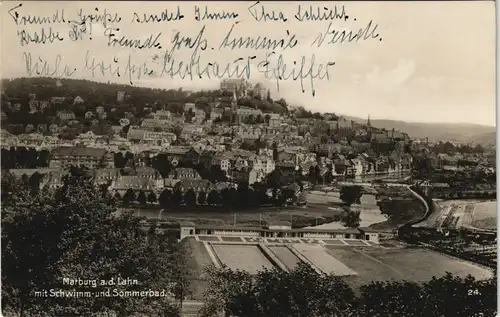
(458,132)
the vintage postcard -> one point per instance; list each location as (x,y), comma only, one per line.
(248,159)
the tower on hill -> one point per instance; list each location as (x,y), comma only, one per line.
(234,100)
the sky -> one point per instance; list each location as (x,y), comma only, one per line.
(431,61)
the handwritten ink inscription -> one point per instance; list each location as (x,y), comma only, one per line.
(163,16)
(216,48)
(259,12)
(204,13)
(45,68)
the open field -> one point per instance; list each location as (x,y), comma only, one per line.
(242,257)
(412,264)
(455,214)
(323,260)
(286,256)
(484,216)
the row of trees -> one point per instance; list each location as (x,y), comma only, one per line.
(241,198)
(22,157)
(73,232)
(304,293)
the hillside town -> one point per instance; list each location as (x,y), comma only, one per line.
(194,191)
(211,141)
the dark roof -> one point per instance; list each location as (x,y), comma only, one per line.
(278,223)
(79,151)
(263,229)
(368,229)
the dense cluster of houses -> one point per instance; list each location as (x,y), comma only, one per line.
(278,142)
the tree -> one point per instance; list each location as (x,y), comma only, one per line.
(259,119)
(314,174)
(129,196)
(43,158)
(213,198)
(351,194)
(152,197)
(165,198)
(190,197)
(119,160)
(177,197)
(162,164)
(73,232)
(268,96)
(202,198)
(267,118)
(141,198)
(350,218)
(301,292)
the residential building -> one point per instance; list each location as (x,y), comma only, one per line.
(135,134)
(78,100)
(64,157)
(66,115)
(155,124)
(244,113)
(275,120)
(182,172)
(57,100)
(147,172)
(158,138)
(120,96)
(197,185)
(162,115)
(199,116)
(216,114)
(189,106)
(106,175)
(222,161)
(245,175)
(136,183)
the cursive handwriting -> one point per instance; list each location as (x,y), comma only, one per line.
(57,17)
(99,17)
(194,68)
(317,13)
(115,69)
(347,36)
(43,68)
(39,37)
(258,43)
(299,71)
(164,16)
(77,30)
(207,15)
(180,42)
(152,41)
(259,13)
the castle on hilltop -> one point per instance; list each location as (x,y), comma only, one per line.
(243,88)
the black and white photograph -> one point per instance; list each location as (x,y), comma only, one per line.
(248,159)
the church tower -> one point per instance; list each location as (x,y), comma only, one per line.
(234,100)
